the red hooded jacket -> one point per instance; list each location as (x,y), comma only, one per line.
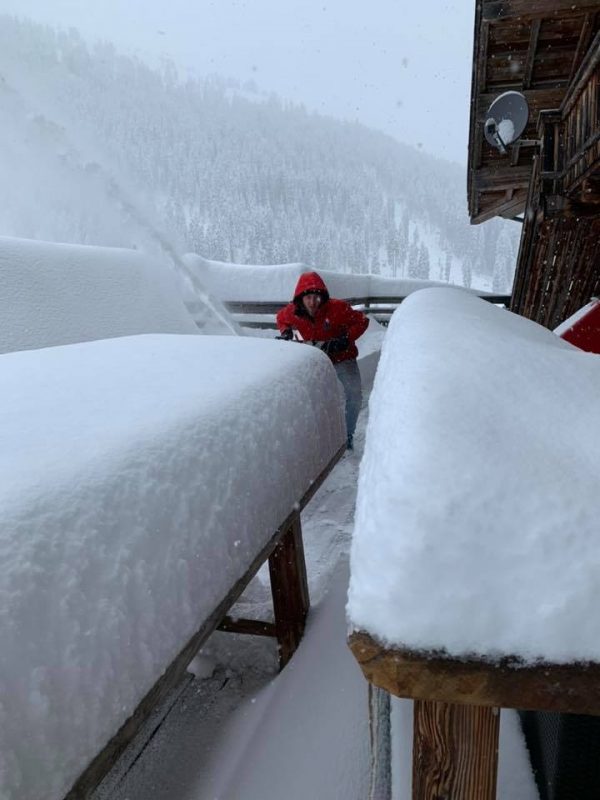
(333,318)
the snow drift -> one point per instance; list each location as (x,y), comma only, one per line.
(480,479)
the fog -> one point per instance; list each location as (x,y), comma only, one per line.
(401,68)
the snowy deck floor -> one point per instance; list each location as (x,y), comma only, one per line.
(245,733)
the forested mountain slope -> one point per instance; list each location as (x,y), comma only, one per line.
(223,170)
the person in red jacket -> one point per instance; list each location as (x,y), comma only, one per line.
(334,326)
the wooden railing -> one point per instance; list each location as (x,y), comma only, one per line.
(261,314)
(457,709)
(570,136)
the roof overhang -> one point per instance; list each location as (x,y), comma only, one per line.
(532,46)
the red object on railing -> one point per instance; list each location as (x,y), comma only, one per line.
(583,328)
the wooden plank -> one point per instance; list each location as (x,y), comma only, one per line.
(588,66)
(497,10)
(541,99)
(585,38)
(455,751)
(500,178)
(252,627)
(531,51)
(495,205)
(508,683)
(289,587)
(478,85)
(254,306)
(107,758)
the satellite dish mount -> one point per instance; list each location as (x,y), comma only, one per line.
(506,120)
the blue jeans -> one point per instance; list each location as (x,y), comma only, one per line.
(349,376)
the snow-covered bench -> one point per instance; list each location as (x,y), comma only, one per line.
(144,480)
(476,554)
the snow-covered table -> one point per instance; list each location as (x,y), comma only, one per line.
(143,481)
(475,562)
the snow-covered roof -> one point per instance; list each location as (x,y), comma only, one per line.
(477,517)
(139,478)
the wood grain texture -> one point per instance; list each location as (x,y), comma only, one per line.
(507,684)
(289,587)
(455,752)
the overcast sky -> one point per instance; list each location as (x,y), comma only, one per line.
(402,67)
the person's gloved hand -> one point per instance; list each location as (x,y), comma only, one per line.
(287,334)
(337,345)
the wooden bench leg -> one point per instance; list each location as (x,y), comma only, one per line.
(289,586)
(455,751)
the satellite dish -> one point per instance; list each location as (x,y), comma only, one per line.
(506,120)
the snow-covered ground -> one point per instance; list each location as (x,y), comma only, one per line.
(480,478)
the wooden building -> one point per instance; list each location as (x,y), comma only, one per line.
(550,51)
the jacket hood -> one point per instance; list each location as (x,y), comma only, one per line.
(310,282)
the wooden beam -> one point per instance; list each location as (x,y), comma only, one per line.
(253,627)
(478,85)
(531,51)
(500,208)
(573,688)
(582,77)
(455,752)
(289,587)
(497,10)
(502,177)
(585,38)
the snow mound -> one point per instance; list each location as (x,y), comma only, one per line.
(139,478)
(53,294)
(476,525)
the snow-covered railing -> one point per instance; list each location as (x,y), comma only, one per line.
(144,480)
(254,294)
(261,314)
(475,558)
(54,294)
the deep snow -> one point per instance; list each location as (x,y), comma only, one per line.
(140,476)
(220,729)
(92,418)
(53,294)
(480,477)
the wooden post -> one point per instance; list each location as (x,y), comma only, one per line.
(289,586)
(455,751)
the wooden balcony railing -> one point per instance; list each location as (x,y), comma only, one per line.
(262,314)
(571,136)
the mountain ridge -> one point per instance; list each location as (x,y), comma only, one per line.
(239,176)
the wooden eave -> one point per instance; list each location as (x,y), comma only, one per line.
(532,46)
